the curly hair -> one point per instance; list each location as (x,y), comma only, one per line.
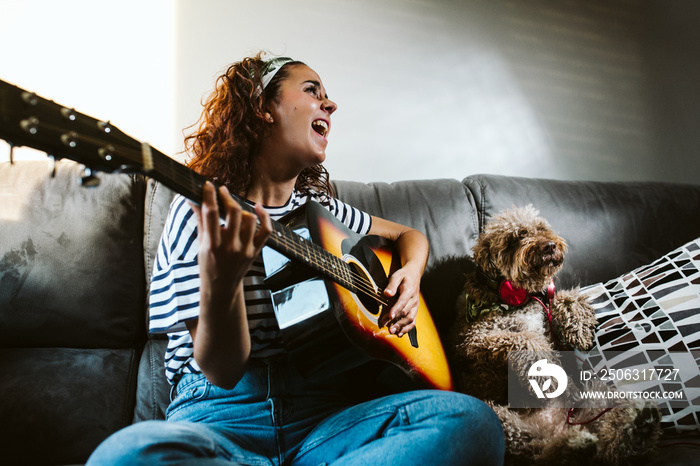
(228,134)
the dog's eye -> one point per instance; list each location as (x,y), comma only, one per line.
(522,233)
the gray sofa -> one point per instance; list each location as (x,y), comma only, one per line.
(77,363)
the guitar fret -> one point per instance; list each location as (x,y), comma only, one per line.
(178,177)
(318,257)
(346,275)
(312,254)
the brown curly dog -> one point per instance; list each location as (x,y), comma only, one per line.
(508,317)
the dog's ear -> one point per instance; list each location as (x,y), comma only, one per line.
(482,257)
(480,253)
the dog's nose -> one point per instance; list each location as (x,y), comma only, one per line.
(549,248)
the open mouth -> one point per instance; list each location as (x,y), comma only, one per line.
(320,126)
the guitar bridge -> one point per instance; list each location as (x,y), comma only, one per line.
(413,337)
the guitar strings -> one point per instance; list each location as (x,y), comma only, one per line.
(365,286)
(185,179)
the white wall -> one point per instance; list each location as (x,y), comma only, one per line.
(420,93)
(448,88)
(111,60)
(426,88)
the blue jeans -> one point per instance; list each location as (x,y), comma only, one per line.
(275,417)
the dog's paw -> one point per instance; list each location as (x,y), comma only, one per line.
(574,448)
(573,320)
(630,430)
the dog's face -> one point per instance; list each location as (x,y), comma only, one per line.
(520,246)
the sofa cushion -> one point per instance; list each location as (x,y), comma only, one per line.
(71,258)
(59,404)
(649,318)
(153,389)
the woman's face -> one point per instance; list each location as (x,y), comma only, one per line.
(301,121)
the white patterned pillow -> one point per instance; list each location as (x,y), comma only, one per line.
(653,313)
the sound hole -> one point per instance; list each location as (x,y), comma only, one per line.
(366,289)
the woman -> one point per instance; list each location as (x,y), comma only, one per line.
(235,397)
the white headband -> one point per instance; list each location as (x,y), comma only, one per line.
(270,69)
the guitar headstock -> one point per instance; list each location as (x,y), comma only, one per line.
(27,119)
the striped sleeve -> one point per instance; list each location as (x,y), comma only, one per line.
(352,217)
(174,295)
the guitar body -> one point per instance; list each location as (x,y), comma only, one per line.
(328,328)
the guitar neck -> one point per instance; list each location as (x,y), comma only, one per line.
(183,180)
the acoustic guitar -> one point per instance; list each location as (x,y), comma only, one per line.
(327,282)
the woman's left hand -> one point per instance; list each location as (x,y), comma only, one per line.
(403,288)
(404,285)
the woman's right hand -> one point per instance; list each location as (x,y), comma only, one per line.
(220,335)
(227,252)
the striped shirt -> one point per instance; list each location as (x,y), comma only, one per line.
(174,296)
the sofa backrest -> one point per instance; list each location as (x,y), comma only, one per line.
(611,228)
(71,309)
(439,208)
(75,265)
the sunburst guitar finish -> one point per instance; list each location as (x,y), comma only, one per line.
(318,317)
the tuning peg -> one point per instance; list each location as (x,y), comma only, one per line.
(68,113)
(70,139)
(30,125)
(88,179)
(106,153)
(30,97)
(105,126)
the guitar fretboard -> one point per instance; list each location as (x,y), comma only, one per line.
(189,183)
